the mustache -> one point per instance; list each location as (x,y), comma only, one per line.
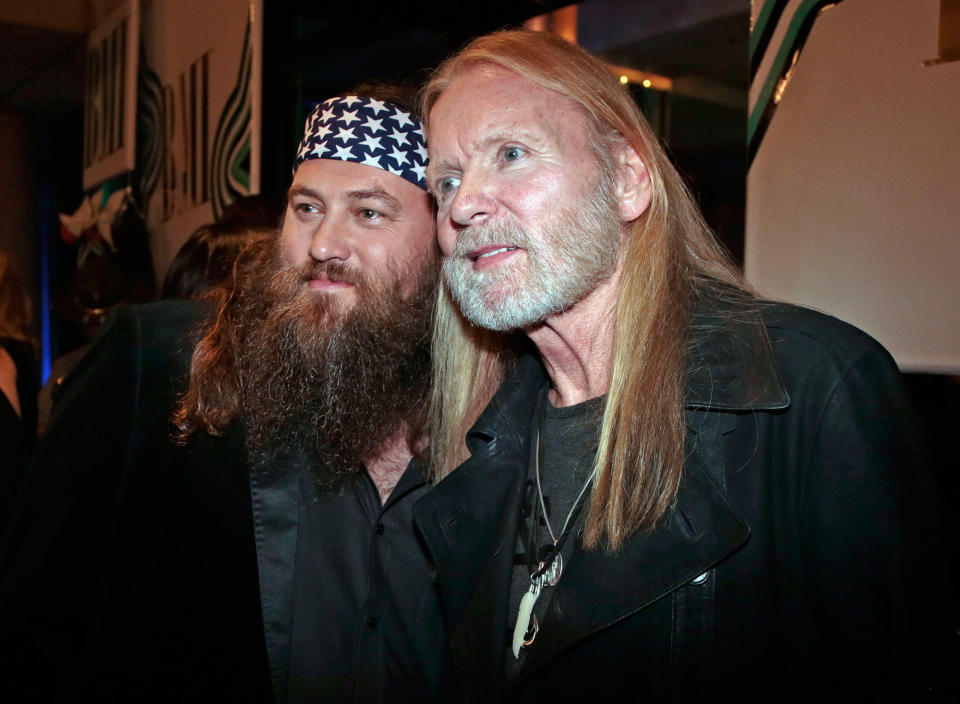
(486,234)
(334,270)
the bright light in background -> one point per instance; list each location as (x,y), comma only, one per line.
(628,76)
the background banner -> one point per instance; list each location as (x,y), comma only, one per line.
(110,96)
(199,114)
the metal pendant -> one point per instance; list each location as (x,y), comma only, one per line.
(553,573)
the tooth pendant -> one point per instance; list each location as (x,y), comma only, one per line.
(523,616)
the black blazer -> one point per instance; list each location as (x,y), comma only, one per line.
(799,560)
(129,572)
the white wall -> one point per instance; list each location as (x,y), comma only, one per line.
(853,199)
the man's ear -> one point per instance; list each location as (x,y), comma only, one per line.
(633,184)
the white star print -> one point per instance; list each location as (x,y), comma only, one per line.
(345,133)
(399,137)
(399,157)
(402,118)
(419,170)
(344,154)
(350,100)
(374,125)
(376,106)
(321,131)
(326,115)
(372,143)
(349,117)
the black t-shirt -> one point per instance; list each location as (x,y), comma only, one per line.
(567,446)
(366,613)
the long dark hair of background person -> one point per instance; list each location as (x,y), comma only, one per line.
(206,259)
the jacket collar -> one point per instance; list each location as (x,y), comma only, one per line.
(731,365)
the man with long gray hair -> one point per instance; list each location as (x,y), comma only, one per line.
(653,483)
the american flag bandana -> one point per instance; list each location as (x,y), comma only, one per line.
(366,131)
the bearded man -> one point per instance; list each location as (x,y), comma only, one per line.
(656,485)
(266,551)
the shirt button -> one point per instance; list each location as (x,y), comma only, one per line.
(372,623)
(380,529)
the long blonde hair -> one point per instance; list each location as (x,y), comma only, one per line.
(670,255)
(16,313)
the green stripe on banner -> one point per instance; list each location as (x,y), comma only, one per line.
(229,180)
(240,174)
(763,19)
(776,70)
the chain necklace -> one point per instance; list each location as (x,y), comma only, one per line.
(548,570)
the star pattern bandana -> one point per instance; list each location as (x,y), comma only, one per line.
(366,131)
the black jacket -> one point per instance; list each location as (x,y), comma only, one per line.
(129,572)
(796,562)
(139,570)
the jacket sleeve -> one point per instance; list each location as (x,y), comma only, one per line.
(872,535)
(59,537)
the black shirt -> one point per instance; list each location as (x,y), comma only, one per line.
(567,442)
(366,615)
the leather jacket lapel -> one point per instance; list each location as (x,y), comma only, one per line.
(599,588)
(275,495)
(469,524)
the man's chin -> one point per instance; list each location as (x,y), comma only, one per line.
(332,305)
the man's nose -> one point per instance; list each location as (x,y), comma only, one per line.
(473,202)
(329,241)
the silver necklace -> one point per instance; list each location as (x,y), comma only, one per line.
(547,574)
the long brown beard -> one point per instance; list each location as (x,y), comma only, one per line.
(327,385)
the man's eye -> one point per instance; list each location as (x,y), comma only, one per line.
(512,153)
(369,213)
(305,208)
(447,184)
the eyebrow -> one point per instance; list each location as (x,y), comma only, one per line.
(432,168)
(373,192)
(301,190)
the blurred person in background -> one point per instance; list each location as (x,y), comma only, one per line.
(203,262)
(206,259)
(18,390)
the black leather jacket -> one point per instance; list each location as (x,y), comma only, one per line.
(799,560)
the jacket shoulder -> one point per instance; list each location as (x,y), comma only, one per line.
(798,331)
(170,321)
